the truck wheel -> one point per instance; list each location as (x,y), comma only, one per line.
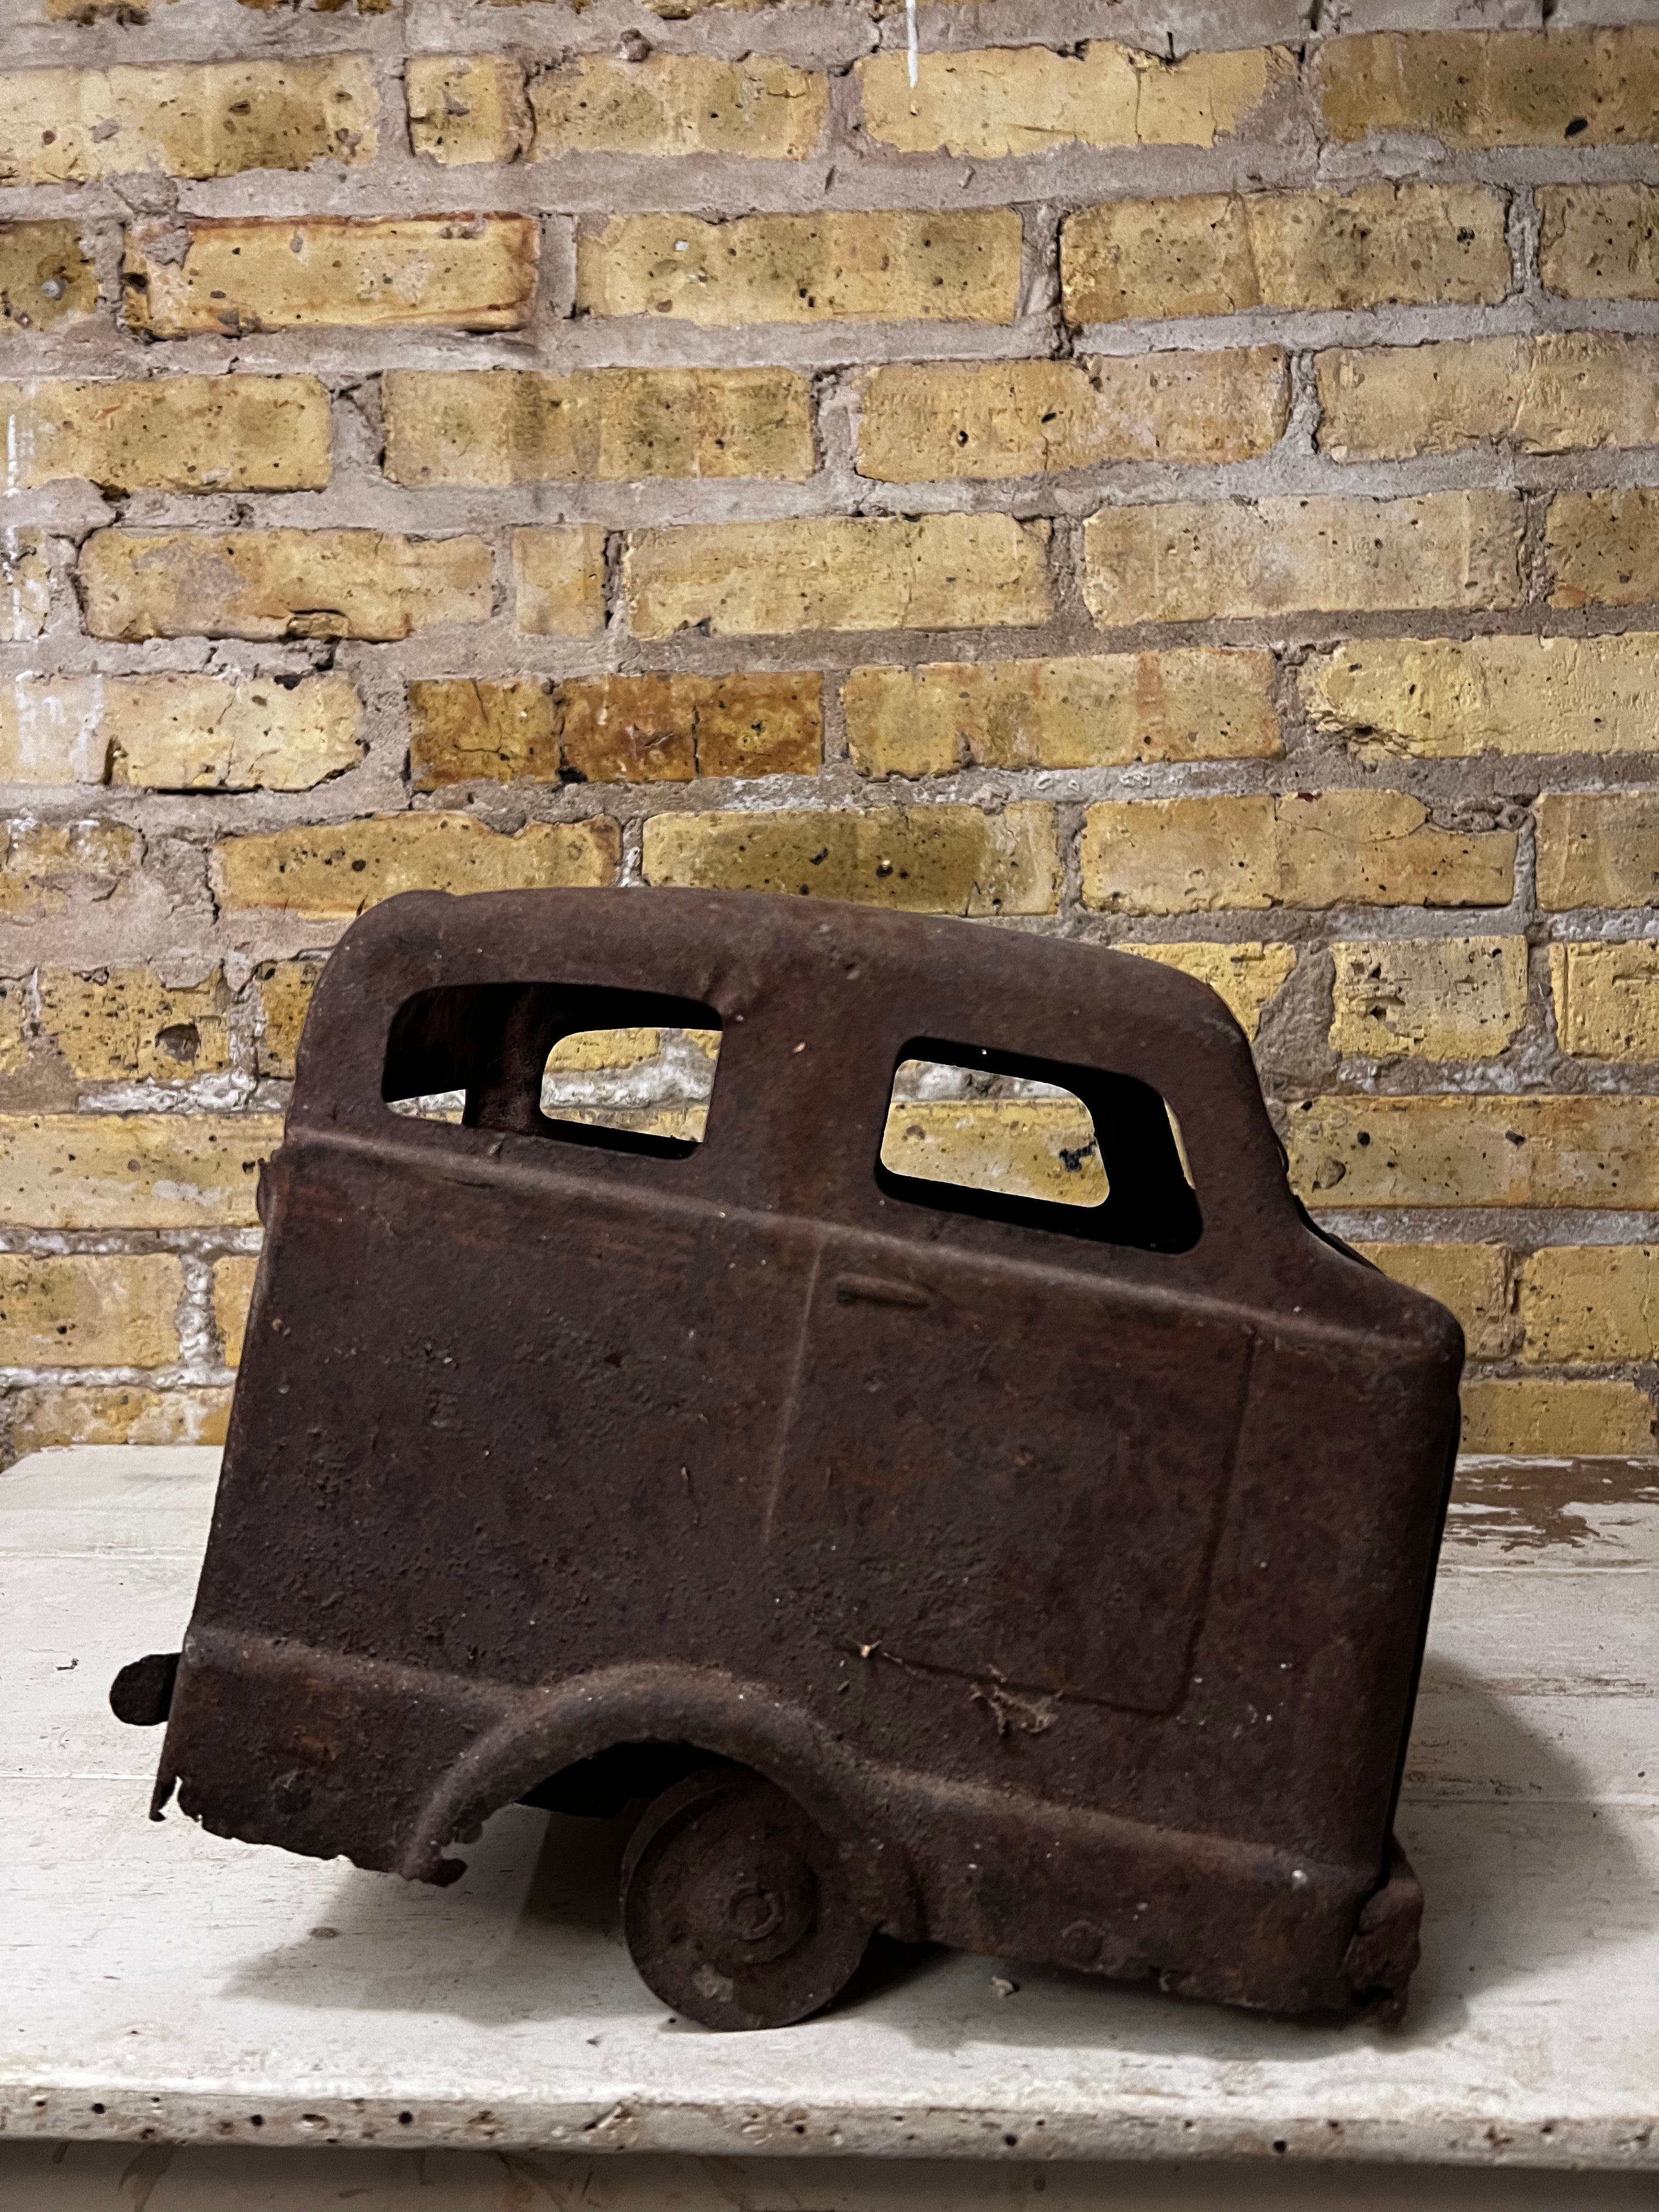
(735,1905)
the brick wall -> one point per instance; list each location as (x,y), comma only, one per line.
(1172,477)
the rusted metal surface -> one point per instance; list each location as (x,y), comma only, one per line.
(1062,1573)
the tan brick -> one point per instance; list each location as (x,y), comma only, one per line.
(46,276)
(674,104)
(1330,848)
(25,585)
(1607,1000)
(1455,699)
(233,1288)
(1595,1151)
(50,1416)
(170,433)
(1487,89)
(1194,562)
(1603,548)
(335,872)
(1433,998)
(962,266)
(604,425)
(51,865)
(1246,976)
(86,1312)
(15,1017)
(1102,710)
(1600,241)
(1591,1304)
(1597,848)
(1548,394)
(1019,418)
(1028,99)
(70,126)
(758,578)
(284,991)
(558,581)
(132,1170)
(1218,253)
(280,583)
(604,729)
(330,272)
(467,108)
(125,1025)
(1038,1148)
(1532,1418)
(177,732)
(927,860)
(1468,1279)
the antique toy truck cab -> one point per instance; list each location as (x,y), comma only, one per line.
(1049,1580)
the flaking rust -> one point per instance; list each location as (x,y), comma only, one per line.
(1049,1580)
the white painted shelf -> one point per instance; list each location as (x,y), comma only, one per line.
(161,1985)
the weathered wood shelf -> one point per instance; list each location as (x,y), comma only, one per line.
(162,1986)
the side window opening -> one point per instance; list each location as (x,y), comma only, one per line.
(628,1070)
(1083,1151)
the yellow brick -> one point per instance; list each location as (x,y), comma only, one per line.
(170,433)
(284,987)
(1104,710)
(674,104)
(25,585)
(131,1027)
(470,273)
(1607,1000)
(1020,418)
(50,1417)
(962,266)
(1332,848)
(335,872)
(466,108)
(614,728)
(1594,1150)
(1590,1305)
(84,1312)
(70,126)
(233,1287)
(132,1170)
(1487,89)
(1027,99)
(756,579)
(605,425)
(1600,241)
(1018,1148)
(1532,1418)
(1452,699)
(177,732)
(558,577)
(1435,998)
(280,583)
(49,866)
(1468,1279)
(14,1024)
(1217,254)
(927,859)
(46,276)
(1597,848)
(1603,548)
(1194,563)
(1549,394)
(1246,976)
